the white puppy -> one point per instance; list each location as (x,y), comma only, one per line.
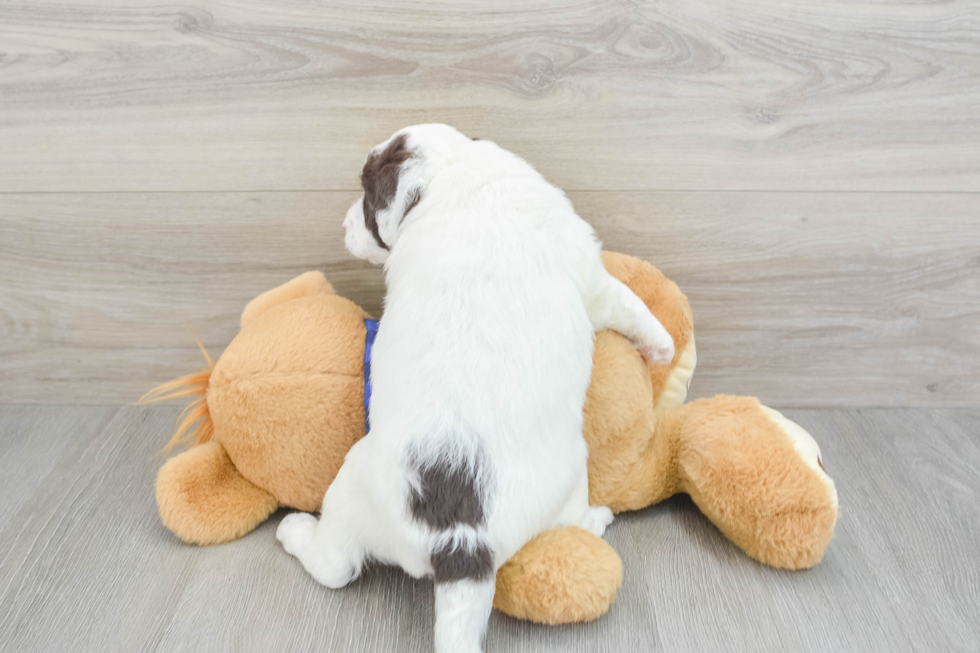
(495,288)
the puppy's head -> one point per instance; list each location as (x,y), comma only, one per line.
(394,179)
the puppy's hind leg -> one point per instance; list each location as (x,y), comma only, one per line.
(462,611)
(612,305)
(578,512)
(329,549)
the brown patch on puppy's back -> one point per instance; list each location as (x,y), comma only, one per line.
(447,496)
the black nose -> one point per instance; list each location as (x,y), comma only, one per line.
(475,138)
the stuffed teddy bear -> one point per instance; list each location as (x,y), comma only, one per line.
(279,410)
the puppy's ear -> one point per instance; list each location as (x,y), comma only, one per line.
(390,190)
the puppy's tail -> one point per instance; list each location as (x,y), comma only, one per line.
(462,611)
(448,496)
(196,412)
(465,581)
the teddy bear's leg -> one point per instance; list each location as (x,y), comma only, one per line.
(565,575)
(759,477)
(203,499)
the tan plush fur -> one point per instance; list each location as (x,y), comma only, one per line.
(284,403)
(561,576)
(742,472)
(203,498)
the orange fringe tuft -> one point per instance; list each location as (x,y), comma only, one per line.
(196,412)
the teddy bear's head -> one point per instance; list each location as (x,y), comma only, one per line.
(287,396)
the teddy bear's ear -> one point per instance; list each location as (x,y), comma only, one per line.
(307,284)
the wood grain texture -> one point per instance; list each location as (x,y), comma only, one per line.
(85,564)
(817,299)
(705,95)
(805,299)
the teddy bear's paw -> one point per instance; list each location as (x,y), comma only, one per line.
(599,517)
(296,531)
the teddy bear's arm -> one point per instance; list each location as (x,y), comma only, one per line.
(203,499)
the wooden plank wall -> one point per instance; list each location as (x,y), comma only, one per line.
(808,172)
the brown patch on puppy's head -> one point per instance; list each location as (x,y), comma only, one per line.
(395,176)
(379,178)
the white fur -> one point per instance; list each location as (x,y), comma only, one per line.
(494,290)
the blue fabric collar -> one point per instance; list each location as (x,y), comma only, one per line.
(372,332)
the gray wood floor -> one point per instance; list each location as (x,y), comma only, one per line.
(86,566)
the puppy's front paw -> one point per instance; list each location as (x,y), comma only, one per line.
(661,353)
(296,531)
